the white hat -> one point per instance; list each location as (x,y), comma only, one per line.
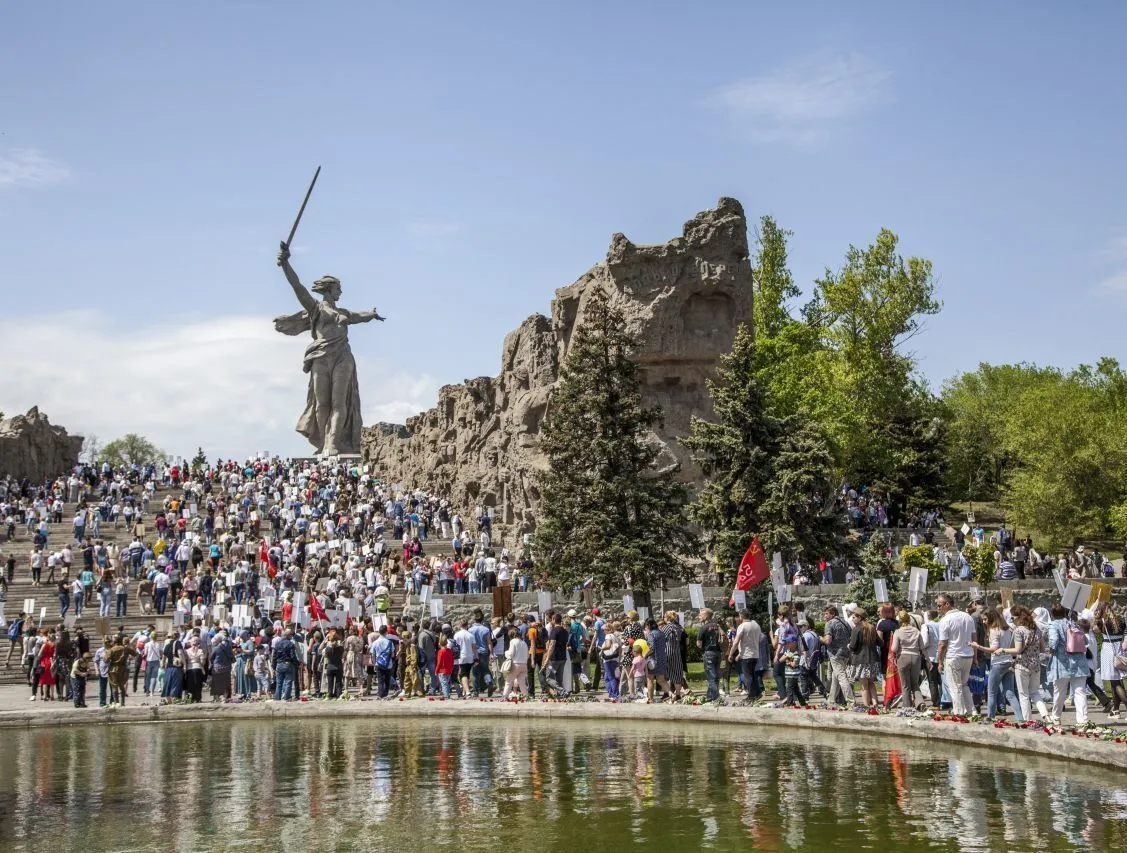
(571,613)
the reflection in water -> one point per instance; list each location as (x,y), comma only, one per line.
(343,785)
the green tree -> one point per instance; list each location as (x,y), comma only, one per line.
(1050,445)
(865,313)
(605,511)
(766,476)
(199,461)
(131,449)
(878,565)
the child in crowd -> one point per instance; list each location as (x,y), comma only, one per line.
(261,669)
(79,672)
(792,672)
(444,665)
(638,672)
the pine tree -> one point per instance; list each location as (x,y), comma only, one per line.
(878,565)
(767,476)
(605,512)
(199,462)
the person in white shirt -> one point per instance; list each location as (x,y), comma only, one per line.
(745,654)
(955,654)
(466,655)
(516,659)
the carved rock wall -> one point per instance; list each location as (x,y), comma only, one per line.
(683,299)
(30,447)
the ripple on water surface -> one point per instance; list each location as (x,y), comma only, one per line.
(391,784)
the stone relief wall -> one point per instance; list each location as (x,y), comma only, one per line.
(683,299)
(30,447)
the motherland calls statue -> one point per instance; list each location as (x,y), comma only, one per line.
(331,420)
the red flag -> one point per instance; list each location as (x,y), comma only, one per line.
(753,567)
(316,611)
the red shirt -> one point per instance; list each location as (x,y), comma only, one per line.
(444,665)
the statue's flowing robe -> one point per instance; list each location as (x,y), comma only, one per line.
(329,327)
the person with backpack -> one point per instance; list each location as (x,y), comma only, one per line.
(382,652)
(1068,664)
(15,637)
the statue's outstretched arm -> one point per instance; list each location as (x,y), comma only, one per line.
(303,296)
(354,317)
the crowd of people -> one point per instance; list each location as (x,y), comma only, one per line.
(278,579)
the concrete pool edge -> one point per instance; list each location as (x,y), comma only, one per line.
(1104,753)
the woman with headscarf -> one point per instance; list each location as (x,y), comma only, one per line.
(354,660)
(195,662)
(173,660)
(222,659)
(1068,665)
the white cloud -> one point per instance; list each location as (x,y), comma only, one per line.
(1114,283)
(802,102)
(233,385)
(29,168)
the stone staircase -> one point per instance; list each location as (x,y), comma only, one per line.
(47,596)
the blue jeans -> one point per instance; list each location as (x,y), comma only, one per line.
(712,673)
(283,687)
(160,599)
(1003,688)
(610,675)
(151,669)
(444,681)
(64,605)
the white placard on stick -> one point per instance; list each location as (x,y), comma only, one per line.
(627,603)
(437,608)
(299,601)
(880,591)
(1076,595)
(643,614)
(544,600)
(784,594)
(42,614)
(29,606)
(740,598)
(777,561)
(424,594)
(1059,582)
(696,595)
(917,583)
(337,618)
(681,618)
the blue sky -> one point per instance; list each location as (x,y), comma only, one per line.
(478,156)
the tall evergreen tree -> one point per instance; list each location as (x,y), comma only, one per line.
(605,512)
(767,476)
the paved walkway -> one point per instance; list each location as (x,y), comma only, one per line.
(1099,747)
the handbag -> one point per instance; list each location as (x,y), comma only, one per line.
(507,666)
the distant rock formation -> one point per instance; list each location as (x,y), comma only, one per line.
(683,299)
(30,447)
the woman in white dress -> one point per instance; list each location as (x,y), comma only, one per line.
(1110,628)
